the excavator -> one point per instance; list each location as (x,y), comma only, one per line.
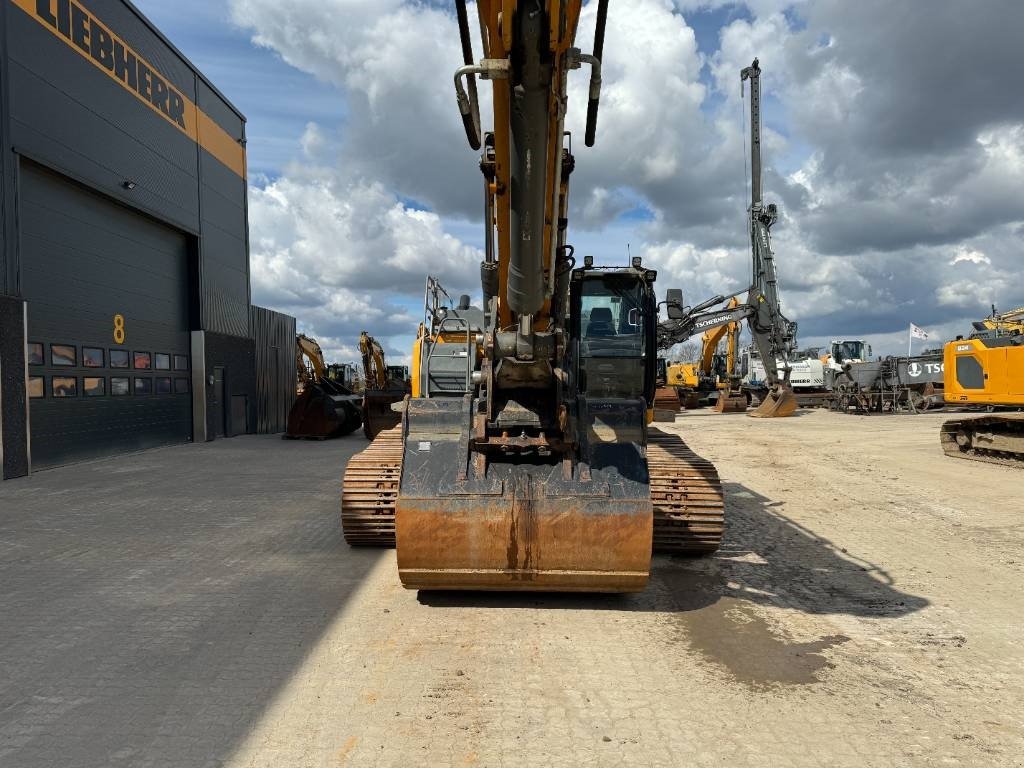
(324,407)
(987,369)
(385,385)
(524,459)
(774,335)
(713,372)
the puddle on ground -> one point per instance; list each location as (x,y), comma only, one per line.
(729,633)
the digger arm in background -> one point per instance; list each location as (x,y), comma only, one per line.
(713,337)
(685,323)
(308,348)
(375,372)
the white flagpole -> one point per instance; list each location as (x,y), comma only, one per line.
(910,339)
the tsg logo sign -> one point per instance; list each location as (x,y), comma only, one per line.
(916,369)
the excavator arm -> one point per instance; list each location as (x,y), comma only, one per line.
(381,391)
(375,372)
(307,348)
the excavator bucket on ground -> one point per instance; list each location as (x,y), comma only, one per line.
(729,402)
(377,413)
(321,412)
(522,525)
(779,402)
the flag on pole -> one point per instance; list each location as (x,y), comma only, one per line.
(918,332)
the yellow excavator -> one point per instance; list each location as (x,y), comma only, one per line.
(713,373)
(324,407)
(524,459)
(384,386)
(987,369)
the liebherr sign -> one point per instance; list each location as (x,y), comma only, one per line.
(72,23)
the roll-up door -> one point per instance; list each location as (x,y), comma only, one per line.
(107,293)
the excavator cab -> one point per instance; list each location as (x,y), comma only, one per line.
(613,323)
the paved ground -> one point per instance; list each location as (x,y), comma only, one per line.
(865,611)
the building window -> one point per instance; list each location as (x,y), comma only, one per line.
(92,357)
(35,354)
(143,386)
(94,386)
(163,385)
(119,358)
(63,355)
(143,361)
(181,386)
(64,386)
(180,363)
(36,386)
(162,362)
(118,386)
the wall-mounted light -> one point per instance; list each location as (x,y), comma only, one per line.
(128,184)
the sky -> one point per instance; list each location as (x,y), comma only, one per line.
(893,145)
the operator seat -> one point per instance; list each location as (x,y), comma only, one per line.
(600,322)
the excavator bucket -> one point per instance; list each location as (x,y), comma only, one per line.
(519,538)
(522,525)
(731,403)
(318,414)
(377,413)
(777,403)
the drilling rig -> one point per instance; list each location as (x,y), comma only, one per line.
(524,459)
(774,335)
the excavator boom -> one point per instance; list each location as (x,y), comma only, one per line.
(381,391)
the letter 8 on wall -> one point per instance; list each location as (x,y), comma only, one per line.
(119,335)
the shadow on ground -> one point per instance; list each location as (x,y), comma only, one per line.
(765,559)
(154,605)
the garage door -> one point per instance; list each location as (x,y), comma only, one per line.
(107,293)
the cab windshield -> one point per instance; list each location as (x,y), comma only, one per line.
(843,351)
(612,338)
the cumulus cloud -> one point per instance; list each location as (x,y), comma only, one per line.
(892,143)
(340,252)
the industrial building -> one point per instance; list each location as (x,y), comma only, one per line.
(124,262)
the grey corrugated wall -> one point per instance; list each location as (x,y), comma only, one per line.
(274,334)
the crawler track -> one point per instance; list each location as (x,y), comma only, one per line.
(369,491)
(689,506)
(687,494)
(996,439)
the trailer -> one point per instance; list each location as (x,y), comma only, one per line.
(891,385)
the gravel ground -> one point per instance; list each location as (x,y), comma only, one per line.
(195,606)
